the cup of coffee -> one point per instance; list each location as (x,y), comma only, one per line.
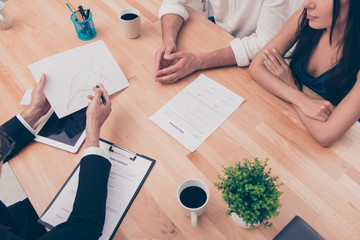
(5,21)
(193,196)
(130,22)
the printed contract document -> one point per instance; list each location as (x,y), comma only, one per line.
(127,174)
(197,111)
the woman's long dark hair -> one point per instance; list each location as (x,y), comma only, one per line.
(343,77)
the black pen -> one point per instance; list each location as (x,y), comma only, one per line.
(87,13)
(81,10)
(102,97)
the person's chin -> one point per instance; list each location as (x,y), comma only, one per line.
(315,25)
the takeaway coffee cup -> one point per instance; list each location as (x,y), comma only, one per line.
(193,196)
(5,21)
(130,22)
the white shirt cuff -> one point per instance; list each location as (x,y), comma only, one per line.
(23,122)
(173,9)
(94,151)
(239,50)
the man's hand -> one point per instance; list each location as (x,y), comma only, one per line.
(170,25)
(185,63)
(96,115)
(39,105)
(162,55)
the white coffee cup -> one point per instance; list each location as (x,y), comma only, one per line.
(198,203)
(130,22)
(5,21)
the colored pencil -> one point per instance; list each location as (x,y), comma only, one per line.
(74,9)
(71,10)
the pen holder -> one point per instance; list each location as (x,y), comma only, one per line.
(85,29)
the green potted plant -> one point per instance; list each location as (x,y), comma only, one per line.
(251,193)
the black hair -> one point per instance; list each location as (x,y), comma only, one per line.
(343,76)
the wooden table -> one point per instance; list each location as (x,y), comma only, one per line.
(322,185)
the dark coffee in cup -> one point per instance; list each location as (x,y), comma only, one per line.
(193,197)
(129,16)
(130,22)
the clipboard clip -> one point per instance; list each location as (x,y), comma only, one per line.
(112,149)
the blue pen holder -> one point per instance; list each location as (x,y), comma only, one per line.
(85,29)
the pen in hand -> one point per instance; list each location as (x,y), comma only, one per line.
(102,97)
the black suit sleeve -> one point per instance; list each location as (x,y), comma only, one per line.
(20,134)
(22,137)
(7,234)
(86,221)
(87,218)
(8,228)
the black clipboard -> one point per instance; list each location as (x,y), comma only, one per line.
(153,161)
(113,148)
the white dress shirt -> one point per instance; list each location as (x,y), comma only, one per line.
(253,22)
(87,151)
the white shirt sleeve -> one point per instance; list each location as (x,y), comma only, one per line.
(174,7)
(23,122)
(273,16)
(94,151)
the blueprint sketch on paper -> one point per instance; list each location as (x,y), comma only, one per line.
(71,76)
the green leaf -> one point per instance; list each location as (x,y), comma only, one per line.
(250,191)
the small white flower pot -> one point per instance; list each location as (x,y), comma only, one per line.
(239,221)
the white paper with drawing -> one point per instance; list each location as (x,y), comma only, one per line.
(72,74)
(197,111)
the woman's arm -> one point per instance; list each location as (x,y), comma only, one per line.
(313,107)
(339,122)
(283,41)
(311,111)
(273,83)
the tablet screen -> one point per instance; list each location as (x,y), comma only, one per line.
(66,130)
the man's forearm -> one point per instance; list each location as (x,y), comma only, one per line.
(171,24)
(31,116)
(218,58)
(92,136)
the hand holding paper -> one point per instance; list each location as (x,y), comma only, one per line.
(39,105)
(72,74)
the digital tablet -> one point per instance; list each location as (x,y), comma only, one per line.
(66,133)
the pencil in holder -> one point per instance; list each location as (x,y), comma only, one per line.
(85,30)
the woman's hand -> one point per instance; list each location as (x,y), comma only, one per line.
(317,109)
(275,63)
(314,108)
